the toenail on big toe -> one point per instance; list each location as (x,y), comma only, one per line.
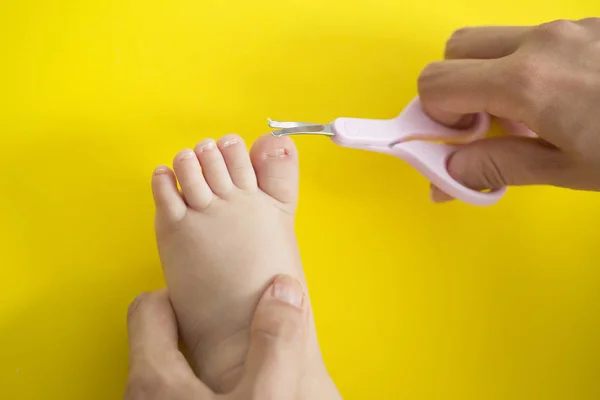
(276,167)
(277,153)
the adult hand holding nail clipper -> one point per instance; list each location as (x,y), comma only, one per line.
(546,78)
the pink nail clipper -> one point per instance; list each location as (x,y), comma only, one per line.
(413,137)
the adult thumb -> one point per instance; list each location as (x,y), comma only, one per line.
(493,163)
(278,342)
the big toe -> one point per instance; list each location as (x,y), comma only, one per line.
(275,161)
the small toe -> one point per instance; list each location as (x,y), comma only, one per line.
(275,160)
(195,190)
(167,198)
(238,162)
(214,167)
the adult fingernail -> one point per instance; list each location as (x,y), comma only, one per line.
(288,290)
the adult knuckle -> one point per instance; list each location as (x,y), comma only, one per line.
(286,330)
(556,30)
(528,77)
(526,72)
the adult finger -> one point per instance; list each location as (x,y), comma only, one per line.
(486,42)
(278,341)
(511,128)
(467,44)
(157,367)
(151,324)
(497,162)
(451,89)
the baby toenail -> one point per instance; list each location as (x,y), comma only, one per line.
(277,153)
(231,142)
(186,155)
(161,171)
(206,145)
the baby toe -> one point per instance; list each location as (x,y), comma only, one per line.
(238,161)
(214,167)
(195,189)
(167,198)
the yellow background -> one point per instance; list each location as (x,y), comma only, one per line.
(413,301)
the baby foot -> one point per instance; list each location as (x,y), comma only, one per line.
(221,240)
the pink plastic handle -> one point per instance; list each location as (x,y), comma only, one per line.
(412,124)
(410,137)
(430,159)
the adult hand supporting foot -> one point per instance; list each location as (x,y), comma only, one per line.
(158,370)
(546,77)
